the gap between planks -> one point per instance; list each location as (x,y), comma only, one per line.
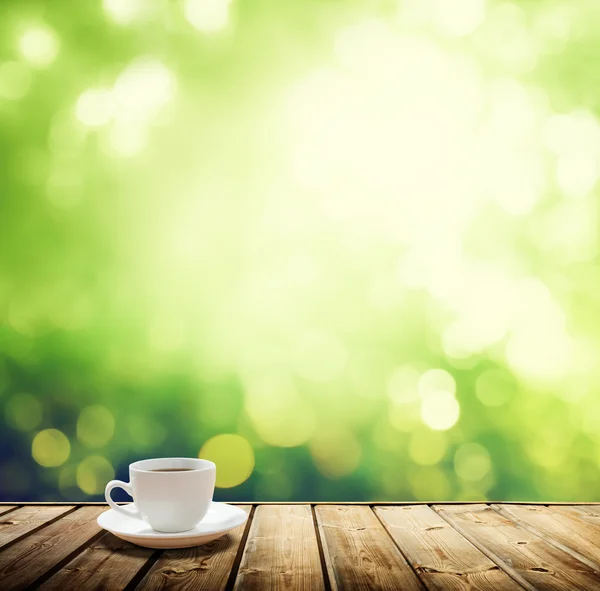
(511,572)
(549,537)
(242,546)
(402,552)
(35,528)
(536,562)
(240,551)
(326,579)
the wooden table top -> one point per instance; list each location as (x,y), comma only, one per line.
(316,547)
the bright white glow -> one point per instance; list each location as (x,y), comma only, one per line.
(301,270)
(15,80)
(365,43)
(457,341)
(143,89)
(536,307)
(555,23)
(540,356)
(207,16)
(539,348)
(507,20)
(459,17)
(124,12)
(384,292)
(484,301)
(569,231)
(440,410)
(577,174)
(435,381)
(571,133)
(39,46)
(95,107)
(512,170)
(575,139)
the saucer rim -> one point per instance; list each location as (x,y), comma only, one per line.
(153,534)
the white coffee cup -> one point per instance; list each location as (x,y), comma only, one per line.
(170,494)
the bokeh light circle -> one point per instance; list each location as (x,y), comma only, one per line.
(472,462)
(233,456)
(434,381)
(427,448)
(95,426)
(440,411)
(95,107)
(93,473)
(208,16)
(39,45)
(50,448)
(23,412)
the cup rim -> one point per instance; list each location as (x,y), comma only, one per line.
(203,465)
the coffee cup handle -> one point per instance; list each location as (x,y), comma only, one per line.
(128,510)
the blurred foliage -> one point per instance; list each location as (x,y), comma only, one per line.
(349,250)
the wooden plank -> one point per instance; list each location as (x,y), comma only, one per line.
(442,557)
(109,563)
(282,551)
(566,532)
(23,563)
(589,514)
(531,560)
(368,503)
(26,520)
(359,553)
(205,567)
(6,508)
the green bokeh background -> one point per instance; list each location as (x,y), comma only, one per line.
(346,249)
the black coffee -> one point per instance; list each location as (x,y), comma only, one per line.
(173,470)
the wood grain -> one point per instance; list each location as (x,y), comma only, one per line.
(6,508)
(529,558)
(205,567)
(281,551)
(27,519)
(442,557)
(565,532)
(28,559)
(108,563)
(454,546)
(588,514)
(359,553)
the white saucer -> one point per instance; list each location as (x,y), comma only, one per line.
(220,519)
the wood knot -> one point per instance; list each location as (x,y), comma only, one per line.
(539,569)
